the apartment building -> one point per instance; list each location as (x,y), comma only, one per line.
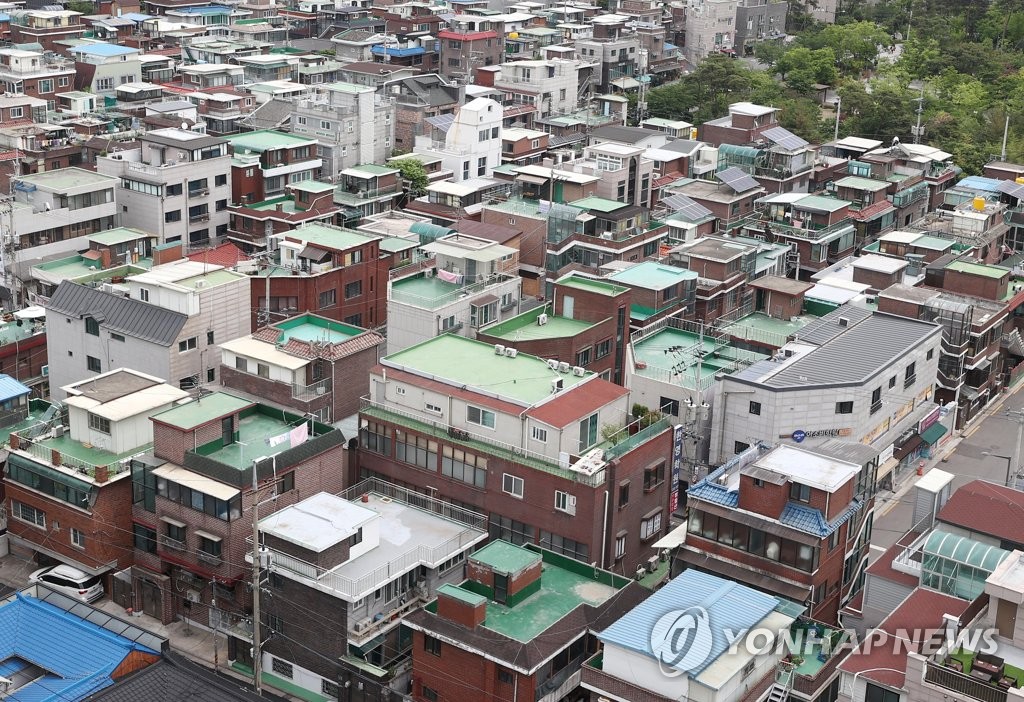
(794,521)
(418,98)
(211,464)
(370,556)
(745,122)
(323,269)
(23,352)
(472,283)
(469,41)
(879,400)
(535,445)
(710,28)
(625,174)
(35,74)
(62,204)
(164,322)
(175,184)
(757,21)
(353,125)
(779,160)
(552,86)
(310,364)
(100,68)
(68,495)
(264,162)
(308,201)
(468,142)
(46,27)
(518,625)
(615,52)
(365,190)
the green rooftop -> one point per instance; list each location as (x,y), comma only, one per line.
(457,593)
(9,333)
(769,330)
(592,284)
(819,202)
(192,414)
(524,379)
(652,275)
(373,169)
(505,558)
(309,327)
(341,87)
(421,291)
(394,244)
(251,433)
(977,269)
(286,203)
(524,327)
(932,243)
(330,237)
(598,203)
(63,179)
(311,186)
(689,357)
(265,140)
(120,235)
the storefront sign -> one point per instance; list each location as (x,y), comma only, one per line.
(799,435)
(877,431)
(886,454)
(928,420)
(903,411)
(678,436)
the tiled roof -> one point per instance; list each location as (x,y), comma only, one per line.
(812,521)
(986,508)
(176,678)
(574,404)
(872,211)
(921,611)
(120,314)
(713,492)
(227,255)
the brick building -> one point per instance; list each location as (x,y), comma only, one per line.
(192,500)
(311,364)
(34,74)
(468,42)
(333,272)
(517,629)
(540,447)
(68,492)
(264,162)
(251,223)
(793,522)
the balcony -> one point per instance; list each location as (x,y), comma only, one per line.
(197,219)
(593,677)
(200,192)
(832,231)
(208,558)
(962,684)
(173,544)
(305,393)
(81,458)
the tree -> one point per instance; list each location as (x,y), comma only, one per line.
(86,7)
(414,175)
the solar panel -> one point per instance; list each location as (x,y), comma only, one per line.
(1008,187)
(686,207)
(737,179)
(442,122)
(784,138)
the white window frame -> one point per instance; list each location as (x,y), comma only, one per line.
(77,537)
(513,485)
(650,526)
(482,416)
(539,434)
(565,502)
(432,408)
(17,511)
(620,546)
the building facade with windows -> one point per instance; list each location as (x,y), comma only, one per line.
(35,74)
(62,204)
(66,478)
(468,143)
(176,185)
(101,68)
(264,162)
(541,447)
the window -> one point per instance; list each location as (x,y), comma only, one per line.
(464,467)
(603,348)
(539,434)
(908,376)
(623,493)
(63,82)
(755,408)
(481,417)
(175,532)
(211,375)
(220,180)
(28,513)
(481,166)
(583,357)
(511,530)
(505,677)
(209,338)
(417,450)
(892,382)
(653,477)
(564,502)
(844,407)
(833,540)
(286,483)
(77,538)
(145,538)
(874,693)
(328,298)
(172,216)
(356,538)
(98,423)
(588,432)
(650,526)
(800,492)
(483,314)
(669,406)
(116,337)
(432,408)
(449,323)
(432,644)
(210,546)
(189,344)
(512,484)
(430,694)
(242,364)
(876,399)
(282,668)
(620,545)
(353,289)
(330,689)
(376,438)
(144,294)
(928,356)
(93,364)
(17,112)
(263,370)
(758,482)
(92,326)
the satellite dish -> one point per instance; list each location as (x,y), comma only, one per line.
(184,125)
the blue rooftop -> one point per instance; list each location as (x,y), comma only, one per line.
(397,51)
(104,50)
(68,658)
(729,607)
(207,10)
(136,16)
(812,521)
(979,183)
(11,388)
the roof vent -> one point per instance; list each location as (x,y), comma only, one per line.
(844,322)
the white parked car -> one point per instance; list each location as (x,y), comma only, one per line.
(69,581)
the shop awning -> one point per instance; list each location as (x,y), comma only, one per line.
(933,433)
(625,83)
(906,449)
(674,538)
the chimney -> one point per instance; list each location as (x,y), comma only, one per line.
(279,207)
(102,474)
(104,258)
(15,441)
(461,606)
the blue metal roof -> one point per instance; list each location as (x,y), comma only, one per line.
(11,388)
(104,50)
(207,10)
(980,183)
(378,49)
(136,16)
(730,607)
(78,656)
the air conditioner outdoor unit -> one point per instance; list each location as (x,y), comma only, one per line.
(578,371)
(429,273)
(192,596)
(652,563)
(563,367)
(320,389)
(511,353)
(362,626)
(552,364)
(542,320)
(499,350)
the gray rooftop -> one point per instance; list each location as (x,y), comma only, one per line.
(824,329)
(120,314)
(625,135)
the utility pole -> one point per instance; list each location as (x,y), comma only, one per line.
(1013,470)
(920,110)
(1006,133)
(257,572)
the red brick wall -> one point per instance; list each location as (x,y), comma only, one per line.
(171,443)
(782,306)
(898,307)
(876,279)
(457,675)
(524,579)
(242,185)
(461,612)
(271,390)
(768,499)
(567,348)
(988,288)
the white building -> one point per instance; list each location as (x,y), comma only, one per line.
(468,144)
(551,85)
(710,27)
(177,184)
(111,65)
(863,376)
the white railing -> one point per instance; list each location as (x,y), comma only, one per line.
(311,391)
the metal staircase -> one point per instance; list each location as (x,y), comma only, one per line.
(779,691)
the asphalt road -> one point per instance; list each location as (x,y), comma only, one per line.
(994,434)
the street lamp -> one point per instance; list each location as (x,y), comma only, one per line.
(1009,466)
(839,105)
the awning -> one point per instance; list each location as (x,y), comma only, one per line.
(484,300)
(933,433)
(676,537)
(197,482)
(906,449)
(536,180)
(764,583)
(625,83)
(173,522)
(313,254)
